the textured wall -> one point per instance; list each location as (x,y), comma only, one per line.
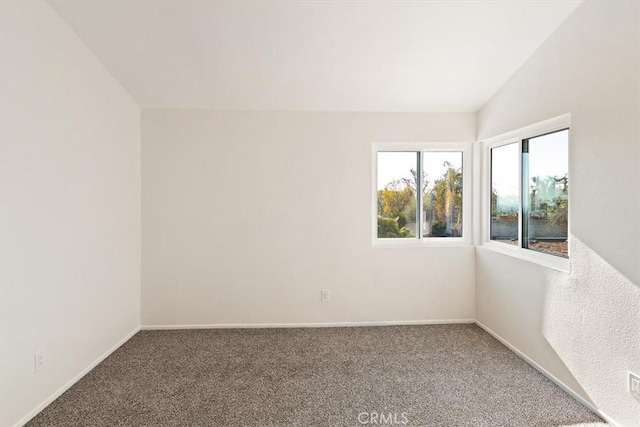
(590,67)
(511,295)
(599,342)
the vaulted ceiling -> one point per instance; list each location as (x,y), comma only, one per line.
(313,55)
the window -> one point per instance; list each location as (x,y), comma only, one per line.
(420,193)
(528,181)
(545,177)
(397,195)
(505,189)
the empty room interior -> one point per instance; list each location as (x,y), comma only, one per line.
(320,213)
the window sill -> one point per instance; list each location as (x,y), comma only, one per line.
(550,261)
(431,242)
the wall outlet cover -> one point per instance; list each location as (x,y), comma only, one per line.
(39,360)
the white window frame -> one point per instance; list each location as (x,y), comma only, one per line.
(467,208)
(548,126)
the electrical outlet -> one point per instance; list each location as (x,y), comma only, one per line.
(634,385)
(324,295)
(39,360)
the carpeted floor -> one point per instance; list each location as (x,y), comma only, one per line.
(441,375)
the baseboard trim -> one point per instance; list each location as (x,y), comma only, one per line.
(75,379)
(305,325)
(547,374)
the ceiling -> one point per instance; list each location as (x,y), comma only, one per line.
(422,56)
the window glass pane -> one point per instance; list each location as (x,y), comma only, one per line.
(505,178)
(546,204)
(442,194)
(397,194)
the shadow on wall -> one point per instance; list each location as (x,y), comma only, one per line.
(592,320)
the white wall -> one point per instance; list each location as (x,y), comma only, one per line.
(590,68)
(70,194)
(248,215)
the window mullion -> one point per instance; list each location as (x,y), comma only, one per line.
(526,202)
(419,185)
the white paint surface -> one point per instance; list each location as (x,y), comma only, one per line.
(510,295)
(600,342)
(247,216)
(323,55)
(70,195)
(590,67)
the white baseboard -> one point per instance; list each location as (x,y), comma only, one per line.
(306,325)
(74,380)
(547,374)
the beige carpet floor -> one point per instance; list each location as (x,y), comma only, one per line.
(441,375)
